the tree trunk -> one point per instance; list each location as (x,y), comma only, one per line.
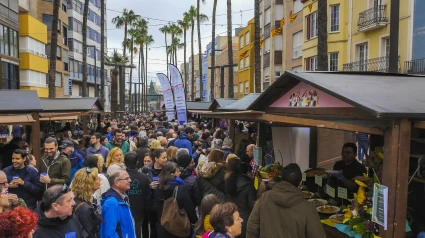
(322,36)
(213,52)
(142,73)
(230,48)
(131,71)
(257,49)
(193,64)
(184,62)
(85,16)
(125,41)
(146,79)
(102,52)
(166,50)
(53,49)
(201,85)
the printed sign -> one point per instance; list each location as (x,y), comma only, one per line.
(257,155)
(342,193)
(179,95)
(304,177)
(380,205)
(168,95)
(318,180)
(330,191)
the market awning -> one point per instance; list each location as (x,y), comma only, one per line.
(221,102)
(91,105)
(242,104)
(197,111)
(12,101)
(201,106)
(56,117)
(10,119)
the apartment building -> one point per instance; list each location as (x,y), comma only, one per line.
(75,41)
(34,65)
(191,80)
(220,42)
(9,51)
(246,60)
(223,59)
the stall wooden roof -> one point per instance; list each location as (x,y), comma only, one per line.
(23,119)
(19,101)
(71,105)
(221,102)
(242,104)
(204,106)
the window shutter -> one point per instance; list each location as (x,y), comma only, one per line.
(308,27)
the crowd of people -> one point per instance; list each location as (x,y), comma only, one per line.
(138,176)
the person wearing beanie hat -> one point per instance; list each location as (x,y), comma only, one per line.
(187,164)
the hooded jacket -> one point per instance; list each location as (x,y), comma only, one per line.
(183,142)
(284,213)
(139,194)
(32,186)
(211,179)
(117,216)
(77,161)
(192,185)
(125,146)
(57,228)
(58,170)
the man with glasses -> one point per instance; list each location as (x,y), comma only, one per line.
(14,201)
(116,210)
(56,218)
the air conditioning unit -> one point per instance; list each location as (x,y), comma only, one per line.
(267,78)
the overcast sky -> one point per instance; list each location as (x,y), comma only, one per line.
(170,11)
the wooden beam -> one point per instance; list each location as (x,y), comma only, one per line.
(396,175)
(419,124)
(35,139)
(321,123)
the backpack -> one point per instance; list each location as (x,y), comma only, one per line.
(174,219)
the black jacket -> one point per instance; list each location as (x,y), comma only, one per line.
(141,155)
(139,194)
(32,186)
(211,181)
(183,201)
(6,154)
(162,129)
(192,185)
(57,228)
(87,217)
(150,173)
(244,197)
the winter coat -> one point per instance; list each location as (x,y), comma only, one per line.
(117,216)
(77,161)
(162,129)
(192,185)
(218,235)
(6,154)
(151,173)
(211,179)
(57,228)
(139,194)
(244,197)
(114,168)
(125,146)
(183,142)
(141,151)
(284,213)
(227,152)
(87,217)
(102,151)
(184,202)
(32,187)
(58,171)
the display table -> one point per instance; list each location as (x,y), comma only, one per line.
(332,232)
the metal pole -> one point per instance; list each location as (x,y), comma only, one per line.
(394,34)
(222,81)
(96,89)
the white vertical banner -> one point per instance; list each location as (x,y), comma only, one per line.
(168,95)
(179,95)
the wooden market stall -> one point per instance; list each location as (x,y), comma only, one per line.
(387,105)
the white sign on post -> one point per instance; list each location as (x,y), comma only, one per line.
(330,191)
(318,180)
(342,193)
(304,177)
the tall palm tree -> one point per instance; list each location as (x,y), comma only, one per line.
(125,20)
(175,31)
(102,51)
(322,36)
(257,59)
(141,27)
(200,17)
(133,50)
(165,30)
(213,51)
(149,41)
(185,25)
(53,49)
(175,46)
(85,16)
(230,48)
(192,15)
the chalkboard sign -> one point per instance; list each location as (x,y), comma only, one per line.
(380,205)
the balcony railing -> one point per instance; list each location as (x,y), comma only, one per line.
(415,66)
(372,18)
(380,64)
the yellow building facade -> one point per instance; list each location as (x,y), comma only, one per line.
(34,66)
(358,34)
(246,60)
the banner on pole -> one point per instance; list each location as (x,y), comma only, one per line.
(168,95)
(179,95)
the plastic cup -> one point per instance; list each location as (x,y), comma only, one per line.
(44,174)
(15,177)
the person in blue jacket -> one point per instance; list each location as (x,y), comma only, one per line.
(116,211)
(184,139)
(74,157)
(24,180)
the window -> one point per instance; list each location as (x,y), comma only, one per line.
(47,19)
(65,35)
(334,18)
(267,17)
(247,39)
(9,76)
(13,35)
(241,87)
(297,45)
(277,74)
(30,45)
(77,26)
(247,62)
(241,64)
(241,42)
(246,87)
(58,79)
(67,89)
(387,47)
(59,26)
(298,6)
(311,21)
(58,53)
(362,56)
(33,78)
(311,64)
(333,61)
(64,6)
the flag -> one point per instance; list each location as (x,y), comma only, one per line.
(179,95)
(242,55)
(168,95)
(292,17)
(282,22)
(310,6)
(276,31)
(261,42)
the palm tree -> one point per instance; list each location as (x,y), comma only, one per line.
(257,59)
(85,16)
(200,17)
(126,19)
(213,51)
(192,15)
(185,24)
(176,45)
(175,31)
(165,30)
(102,50)
(149,41)
(133,50)
(53,49)
(322,36)
(141,27)
(230,47)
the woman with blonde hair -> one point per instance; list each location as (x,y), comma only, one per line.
(84,184)
(114,161)
(156,144)
(211,175)
(164,142)
(172,153)
(96,161)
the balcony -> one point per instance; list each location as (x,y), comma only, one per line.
(380,64)
(372,18)
(415,67)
